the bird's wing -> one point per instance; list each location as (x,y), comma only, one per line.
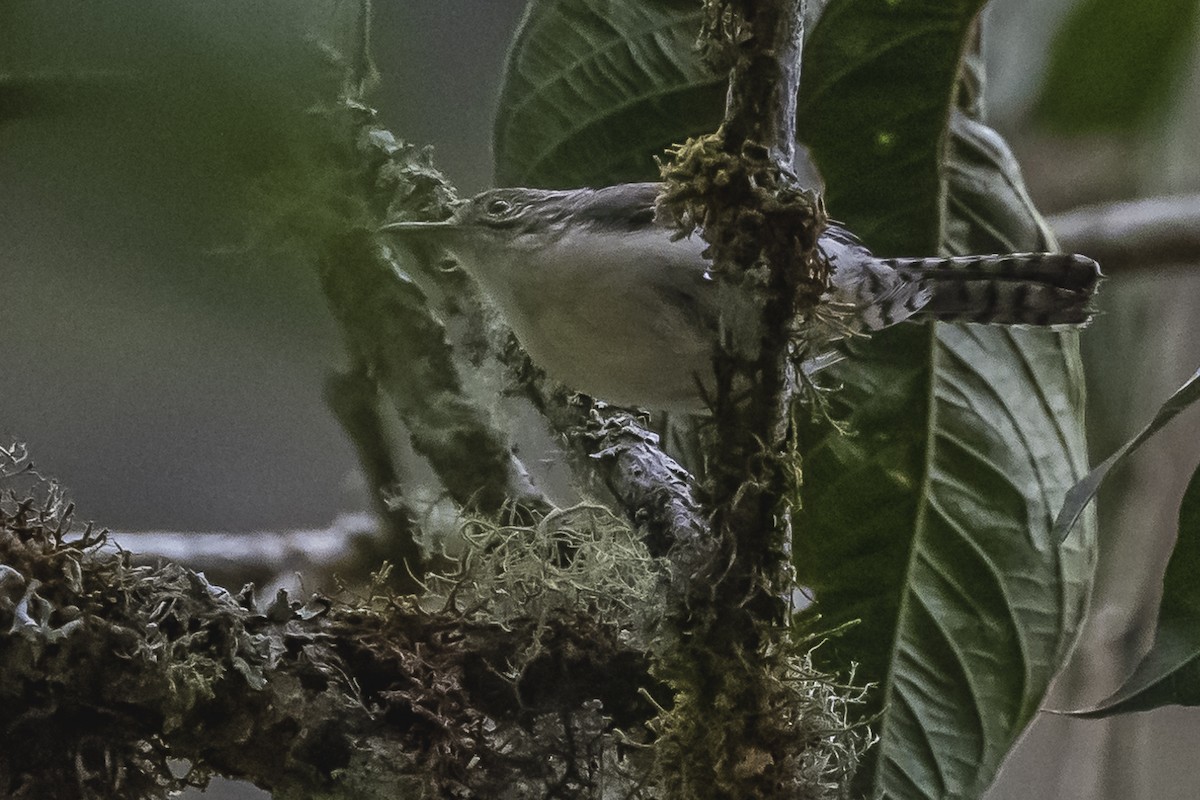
(626,207)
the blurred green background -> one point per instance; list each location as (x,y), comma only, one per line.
(169,370)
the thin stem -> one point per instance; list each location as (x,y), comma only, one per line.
(354,398)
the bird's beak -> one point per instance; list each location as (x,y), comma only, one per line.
(422,229)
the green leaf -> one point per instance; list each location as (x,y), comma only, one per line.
(1081,494)
(932,525)
(886,72)
(1115,64)
(1169,674)
(593,90)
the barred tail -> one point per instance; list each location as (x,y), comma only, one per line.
(1019,289)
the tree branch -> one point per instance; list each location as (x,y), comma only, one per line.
(388,326)
(730,734)
(750,486)
(354,399)
(110,669)
(263,557)
(1145,234)
(652,489)
(396,345)
(761,41)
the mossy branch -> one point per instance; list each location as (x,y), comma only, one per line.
(731,734)
(505,687)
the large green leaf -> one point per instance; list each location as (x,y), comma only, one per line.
(1115,64)
(931,523)
(1169,674)
(967,437)
(594,89)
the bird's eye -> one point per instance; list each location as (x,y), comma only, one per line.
(498,207)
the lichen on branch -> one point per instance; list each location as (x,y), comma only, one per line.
(508,680)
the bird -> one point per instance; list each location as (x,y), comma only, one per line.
(616,304)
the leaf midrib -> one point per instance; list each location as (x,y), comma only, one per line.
(923,502)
